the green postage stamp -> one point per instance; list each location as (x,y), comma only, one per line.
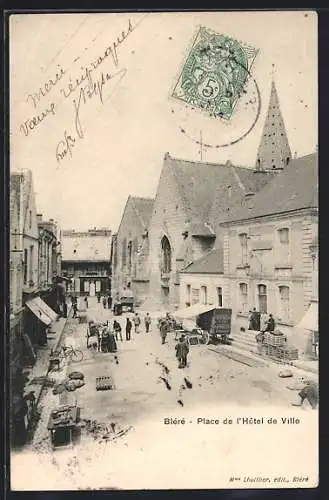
(215,73)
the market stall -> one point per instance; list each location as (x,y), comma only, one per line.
(61,425)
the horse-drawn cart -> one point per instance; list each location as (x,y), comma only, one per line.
(203,324)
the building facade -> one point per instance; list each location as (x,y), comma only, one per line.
(130,249)
(29,314)
(270,248)
(86,259)
(203,281)
(190,201)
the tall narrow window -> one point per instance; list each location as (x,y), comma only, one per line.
(244,248)
(283,247)
(124,252)
(284,302)
(188,295)
(30,219)
(243,297)
(25,265)
(219,296)
(31,263)
(204,295)
(166,255)
(130,256)
(284,236)
(262,299)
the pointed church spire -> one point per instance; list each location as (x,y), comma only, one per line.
(274,151)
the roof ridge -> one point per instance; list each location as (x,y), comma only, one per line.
(200,162)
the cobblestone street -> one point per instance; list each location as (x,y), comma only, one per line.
(148,387)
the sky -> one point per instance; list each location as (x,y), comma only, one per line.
(122,132)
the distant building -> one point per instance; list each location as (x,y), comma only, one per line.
(131,249)
(48,256)
(270,247)
(86,258)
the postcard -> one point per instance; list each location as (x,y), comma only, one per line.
(163,250)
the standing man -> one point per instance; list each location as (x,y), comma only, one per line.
(75,309)
(109,301)
(137,322)
(182,350)
(86,301)
(147,321)
(104,301)
(128,329)
(117,330)
(163,330)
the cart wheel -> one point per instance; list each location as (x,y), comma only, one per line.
(205,339)
(77,356)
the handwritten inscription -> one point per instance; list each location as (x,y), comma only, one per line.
(86,94)
(90,91)
(31,123)
(36,97)
(87,86)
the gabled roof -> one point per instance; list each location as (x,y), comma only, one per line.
(143,207)
(211,263)
(294,188)
(203,185)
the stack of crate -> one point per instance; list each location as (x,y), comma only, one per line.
(288,353)
(274,340)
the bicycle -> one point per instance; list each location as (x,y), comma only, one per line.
(70,353)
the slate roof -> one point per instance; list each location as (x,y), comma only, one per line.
(143,207)
(203,188)
(211,263)
(294,188)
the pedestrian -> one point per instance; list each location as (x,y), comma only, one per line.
(163,330)
(75,309)
(147,321)
(270,327)
(310,392)
(128,329)
(117,330)
(182,350)
(98,298)
(137,322)
(86,301)
(109,301)
(254,321)
(104,301)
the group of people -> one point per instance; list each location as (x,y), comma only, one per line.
(106,300)
(260,322)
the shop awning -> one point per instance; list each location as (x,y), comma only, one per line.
(310,320)
(39,312)
(192,311)
(46,309)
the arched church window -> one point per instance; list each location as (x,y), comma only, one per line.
(129,256)
(166,255)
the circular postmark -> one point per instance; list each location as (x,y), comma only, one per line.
(218,97)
